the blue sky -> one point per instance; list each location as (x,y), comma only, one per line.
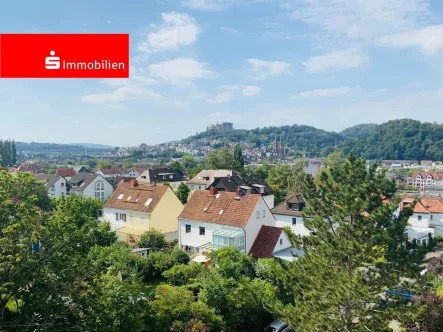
(326,63)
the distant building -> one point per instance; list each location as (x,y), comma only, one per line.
(29,168)
(422,179)
(207,176)
(161,174)
(67,173)
(247,184)
(278,148)
(221,127)
(56,185)
(90,185)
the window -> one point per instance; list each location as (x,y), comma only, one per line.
(171,176)
(97,194)
(202,231)
(188,228)
(63,184)
(419,217)
(116,216)
(142,220)
(263,213)
(294,221)
(131,218)
(257,215)
(281,242)
(143,177)
(432,216)
(123,217)
(52,188)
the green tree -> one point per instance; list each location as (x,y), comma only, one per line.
(188,161)
(151,239)
(239,160)
(183,192)
(220,159)
(106,164)
(354,252)
(177,166)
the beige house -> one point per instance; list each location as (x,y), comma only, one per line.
(135,208)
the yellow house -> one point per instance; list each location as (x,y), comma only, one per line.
(135,208)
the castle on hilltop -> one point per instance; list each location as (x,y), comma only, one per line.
(223,127)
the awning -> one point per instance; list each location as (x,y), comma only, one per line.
(228,232)
(194,243)
(130,230)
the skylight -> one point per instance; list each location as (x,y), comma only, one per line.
(221,212)
(120,196)
(129,198)
(148,202)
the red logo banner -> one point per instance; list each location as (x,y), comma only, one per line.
(64,55)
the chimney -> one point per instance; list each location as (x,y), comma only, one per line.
(133,183)
(212,191)
(238,193)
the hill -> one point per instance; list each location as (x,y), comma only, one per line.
(397,139)
(359,131)
(53,148)
(310,140)
(93,146)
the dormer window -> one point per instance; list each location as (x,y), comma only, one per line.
(293,206)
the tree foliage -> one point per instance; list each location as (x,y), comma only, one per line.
(183,192)
(354,251)
(8,153)
(220,159)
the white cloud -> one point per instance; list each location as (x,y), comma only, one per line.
(136,77)
(337,60)
(177,30)
(251,90)
(320,93)
(215,5)
(265,69)
(120,94)
(181,71)
(360,19)
(429,40)
(222,97)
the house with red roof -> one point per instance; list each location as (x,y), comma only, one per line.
(215,219)
(273,242)
(29,168)
(67,173)
(427,217)
(422,179)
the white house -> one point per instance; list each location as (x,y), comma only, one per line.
(273,242)
(422,179)
(212,220)
(55,184)
(289,213)
(426,219)
(112,172)
(91,185)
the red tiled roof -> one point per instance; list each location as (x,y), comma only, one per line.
(207,208)
(135,198)
(29,167)
(65,172)
(109,171)
(424,175)
(425,205)
(265,242)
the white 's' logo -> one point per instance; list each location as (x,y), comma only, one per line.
(52,62)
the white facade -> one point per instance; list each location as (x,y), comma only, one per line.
(296,223)
(421,224)
(282,243)
(98,188)
(133,173)
(189,234)
(269,199)
(113,175)
(58,189)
